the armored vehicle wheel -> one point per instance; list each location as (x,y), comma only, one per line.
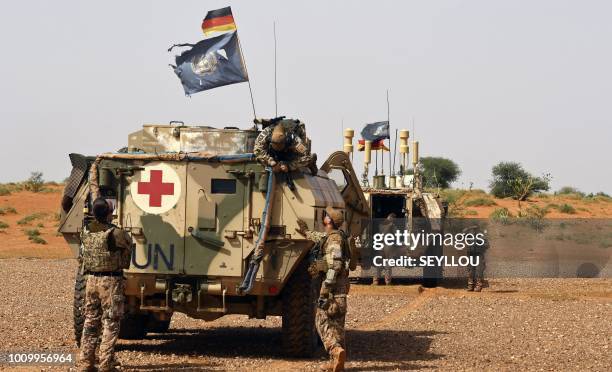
(78,305)
(300,338)
(133,326)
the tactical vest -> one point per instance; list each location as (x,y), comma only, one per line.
(96,254)
(346,249)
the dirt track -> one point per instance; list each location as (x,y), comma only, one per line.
(546,324)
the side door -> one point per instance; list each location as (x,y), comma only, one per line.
(339,168)
(214,224)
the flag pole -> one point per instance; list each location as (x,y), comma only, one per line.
(245,70)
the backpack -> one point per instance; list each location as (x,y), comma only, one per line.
(348,250)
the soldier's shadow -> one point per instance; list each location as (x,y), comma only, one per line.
(382,350)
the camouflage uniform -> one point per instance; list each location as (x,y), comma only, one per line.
(476,273)
(295,156)
(104,293)
(330,317)
(388,251)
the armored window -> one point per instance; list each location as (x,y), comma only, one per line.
(222,186)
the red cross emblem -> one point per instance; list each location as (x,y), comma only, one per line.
(155,188)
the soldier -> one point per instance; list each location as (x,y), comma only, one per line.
(334,267)
(106,252)
(476,273)
(386,227)
(282,146)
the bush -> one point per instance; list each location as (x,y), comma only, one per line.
(4,191)
(501,215)
(507,175)
(35,183)
(480,202)
(3,225)
(534,217)
(567,209)
(7,210)
(34,236)
(32,217)
(438,172)
(567,190)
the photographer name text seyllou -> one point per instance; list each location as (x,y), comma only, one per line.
(430,261)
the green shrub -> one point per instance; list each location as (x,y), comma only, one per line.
(438,172)
(35,183)
(32,217)
(480,202)
(3,225)
(4,191)
(471,212)
(569,190)
(7,210)
(507,176)
(567,209)
(501,215)
(34,236)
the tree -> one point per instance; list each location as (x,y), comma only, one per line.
(511,180)
(35,183)
(438,172)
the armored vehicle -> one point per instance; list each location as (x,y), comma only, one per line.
(402,195)
(197,205)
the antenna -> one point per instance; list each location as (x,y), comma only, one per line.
(275,89)
(389,122)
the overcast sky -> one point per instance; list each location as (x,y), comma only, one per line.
(485,81)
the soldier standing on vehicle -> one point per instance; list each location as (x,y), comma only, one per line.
(282,146)
(333,265)
(386,227)
(476,273)
(106,252)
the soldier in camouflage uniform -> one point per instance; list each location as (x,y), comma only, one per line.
(106,252)
(389,251)
(334,267)
(282,146)
(476,273)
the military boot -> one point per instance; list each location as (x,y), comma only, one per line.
(374,281)
(478,286)
(338,358)
(470,284)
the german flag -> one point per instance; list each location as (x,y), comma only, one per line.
(376,145)
(219,20)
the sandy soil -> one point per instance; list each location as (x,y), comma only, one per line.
(518,324)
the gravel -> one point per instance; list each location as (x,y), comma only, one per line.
(515,324)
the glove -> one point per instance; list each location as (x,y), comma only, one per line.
(323,303)
(272,162)
(302,227)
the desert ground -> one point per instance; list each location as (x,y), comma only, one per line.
(514,324)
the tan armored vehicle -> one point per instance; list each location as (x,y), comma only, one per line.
(404,196)
(193,198)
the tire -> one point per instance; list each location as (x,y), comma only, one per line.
(133,326)
(299,334)
(78,305)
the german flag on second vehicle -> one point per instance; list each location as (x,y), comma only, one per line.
(219,20)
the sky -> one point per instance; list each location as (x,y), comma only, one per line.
(482,81)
